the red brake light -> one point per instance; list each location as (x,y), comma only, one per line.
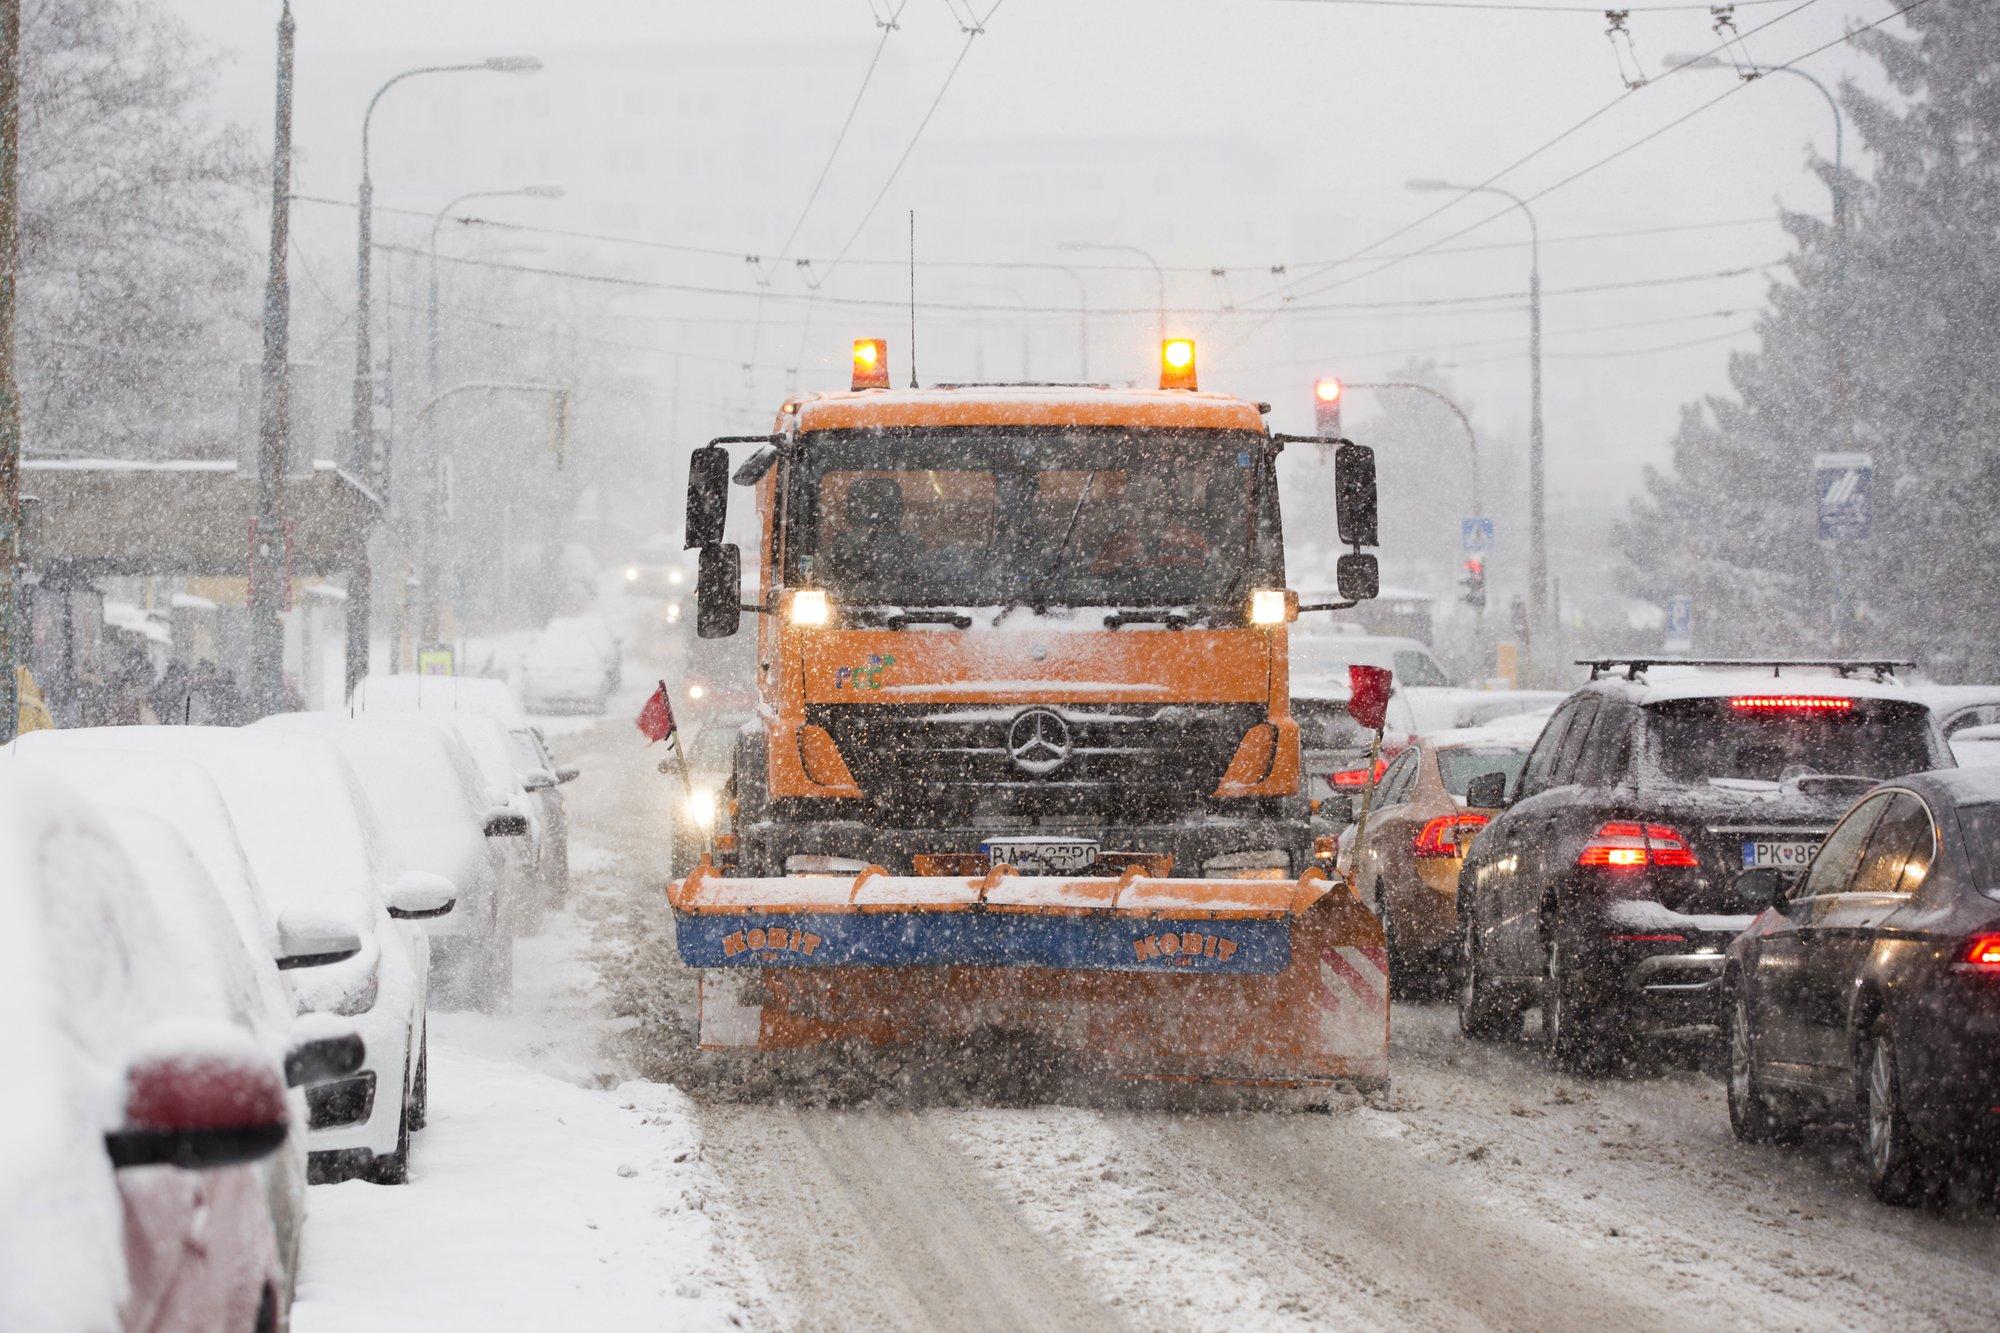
(1359,777)
(1620,845)
(1791,703)
(1982,953)
(1442,836)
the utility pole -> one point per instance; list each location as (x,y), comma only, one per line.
(10,398)
(267,547)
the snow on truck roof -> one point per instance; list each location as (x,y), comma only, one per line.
(1027,405)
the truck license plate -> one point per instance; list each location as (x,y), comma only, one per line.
(1784,855)
(1043,856)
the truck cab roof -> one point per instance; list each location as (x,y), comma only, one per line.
(1021,405)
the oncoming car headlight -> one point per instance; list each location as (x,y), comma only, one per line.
(631,573)
(701,807)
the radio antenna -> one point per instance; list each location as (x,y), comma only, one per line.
(913,298)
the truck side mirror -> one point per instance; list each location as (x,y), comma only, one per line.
(1354,494)
(708,496)
(718,592)
(1358,576)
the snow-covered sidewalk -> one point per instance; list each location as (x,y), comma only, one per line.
(532,1204)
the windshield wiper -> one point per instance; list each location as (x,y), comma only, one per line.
(1034,597)
(1171,617)
(955,619)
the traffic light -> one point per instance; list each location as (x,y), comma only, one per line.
(1474,584)
(1327,393)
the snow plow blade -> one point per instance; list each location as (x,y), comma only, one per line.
(1249,982)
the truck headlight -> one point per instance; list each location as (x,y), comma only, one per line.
(1270,606)
(811,606)
(701,807)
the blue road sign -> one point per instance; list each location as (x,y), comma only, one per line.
(1846,485)
(1680,622)
(1475,535)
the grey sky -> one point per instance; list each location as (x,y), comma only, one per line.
(1236,135)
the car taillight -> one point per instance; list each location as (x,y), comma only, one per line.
(1621,845)
(1791,703)
(1447,835)
(1359,777)
(1982,954)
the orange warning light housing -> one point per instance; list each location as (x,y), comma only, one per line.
(871,363)
(1177,364)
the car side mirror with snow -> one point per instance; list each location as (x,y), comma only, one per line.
(313,939)
(320,1049)
(568,773)
(200,1098)
(505,823)
(418,895)
(539,780)
(1761,886)
(1488,791)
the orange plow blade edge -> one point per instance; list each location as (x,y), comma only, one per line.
(1257,983)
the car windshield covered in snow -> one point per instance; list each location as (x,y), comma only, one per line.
(1040,516)
(1694,740)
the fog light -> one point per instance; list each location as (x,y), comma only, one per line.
(811,606)
(701,807)
(1269,606)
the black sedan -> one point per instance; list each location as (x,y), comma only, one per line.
(1870,991)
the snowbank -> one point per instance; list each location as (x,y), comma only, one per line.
(532,1204)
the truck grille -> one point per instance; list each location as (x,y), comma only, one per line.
(943,760)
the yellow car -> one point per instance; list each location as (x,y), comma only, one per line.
(1418,829)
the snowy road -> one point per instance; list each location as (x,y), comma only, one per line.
(1483,1192)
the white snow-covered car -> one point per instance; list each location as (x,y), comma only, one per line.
(512,757)
(603,641)
(178,796)
(317,846)
(145,1096)
(423,784)
(564,673)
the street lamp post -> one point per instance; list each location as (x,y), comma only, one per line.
(432,335)
(1538,551)
(1842,390)
(1159,274)
(367,464)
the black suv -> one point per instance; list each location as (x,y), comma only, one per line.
(1605,887)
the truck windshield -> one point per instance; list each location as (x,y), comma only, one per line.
(982,516)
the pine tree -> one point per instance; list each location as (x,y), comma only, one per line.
(1881,341)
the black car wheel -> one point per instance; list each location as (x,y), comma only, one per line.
(1481,1014)
(1752,1115)
(1572,1036)
(1889,1146)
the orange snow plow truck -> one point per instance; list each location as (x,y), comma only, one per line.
(1024,761)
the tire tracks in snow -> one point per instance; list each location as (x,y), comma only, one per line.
(875,1219)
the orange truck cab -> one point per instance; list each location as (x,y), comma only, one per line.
(1042,626)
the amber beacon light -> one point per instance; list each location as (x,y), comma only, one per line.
(871,363)
(1177,363)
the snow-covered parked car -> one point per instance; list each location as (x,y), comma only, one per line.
(565,672)
(132,1190)
(318,848)
(603,641)
(512,757)
(179,793)
(428,792)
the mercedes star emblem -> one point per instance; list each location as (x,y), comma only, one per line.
(1038,742)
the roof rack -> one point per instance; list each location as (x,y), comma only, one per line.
(1881,668)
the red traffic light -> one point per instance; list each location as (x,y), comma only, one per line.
(1327,393)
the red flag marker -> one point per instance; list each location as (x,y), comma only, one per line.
(656,719)
(1369,687)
